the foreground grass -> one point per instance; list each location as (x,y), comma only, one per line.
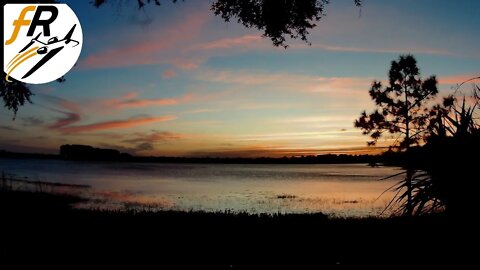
(43,228)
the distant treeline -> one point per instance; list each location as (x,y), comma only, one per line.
(89,153)
(86,152)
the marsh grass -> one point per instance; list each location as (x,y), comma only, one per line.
(423,199)
(286,196)
(13,182)
(44,227)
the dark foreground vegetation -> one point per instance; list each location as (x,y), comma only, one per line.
(44,230)
(436,144)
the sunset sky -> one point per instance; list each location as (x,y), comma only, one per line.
(176,80)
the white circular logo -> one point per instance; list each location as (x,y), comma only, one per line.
(41,42)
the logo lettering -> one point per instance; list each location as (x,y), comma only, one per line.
(50,47)
(19,23)
(45,23)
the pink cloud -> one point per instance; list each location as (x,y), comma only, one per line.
(61,102)
(70,118)
(246,40)
(168,74)
(458,79)
(129,95)
(118,124)
(137,103)
(341,86)
(295,82)
(155,50)
(69,109)
(336,48)
(187,64)
(129,101)
(243,77)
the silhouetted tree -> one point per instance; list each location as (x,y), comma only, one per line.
(449,155)
(401,108)
(14,95)
(277,19)
(445,166)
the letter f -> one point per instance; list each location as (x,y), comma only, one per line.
(19,23)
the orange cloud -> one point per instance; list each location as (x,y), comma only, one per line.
(154,136)
(119,124)
(316,119)
(129,95)
(276,151)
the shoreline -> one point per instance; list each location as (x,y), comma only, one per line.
(126,158)
(42,225)
(270,202)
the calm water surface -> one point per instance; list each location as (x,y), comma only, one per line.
(338,189)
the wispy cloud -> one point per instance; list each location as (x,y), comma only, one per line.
(457,79)
(246,77)
(157,49)
(307,135)
(144,142)
(60,102)
(315,119)
(130,100)
(117,124)
(154,136)
(294,82)
(68,119)
(168,74)
(187,63)
(70,110)
(199,111)
(225,43)
(338,48)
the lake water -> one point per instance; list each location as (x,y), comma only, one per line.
(338,189)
